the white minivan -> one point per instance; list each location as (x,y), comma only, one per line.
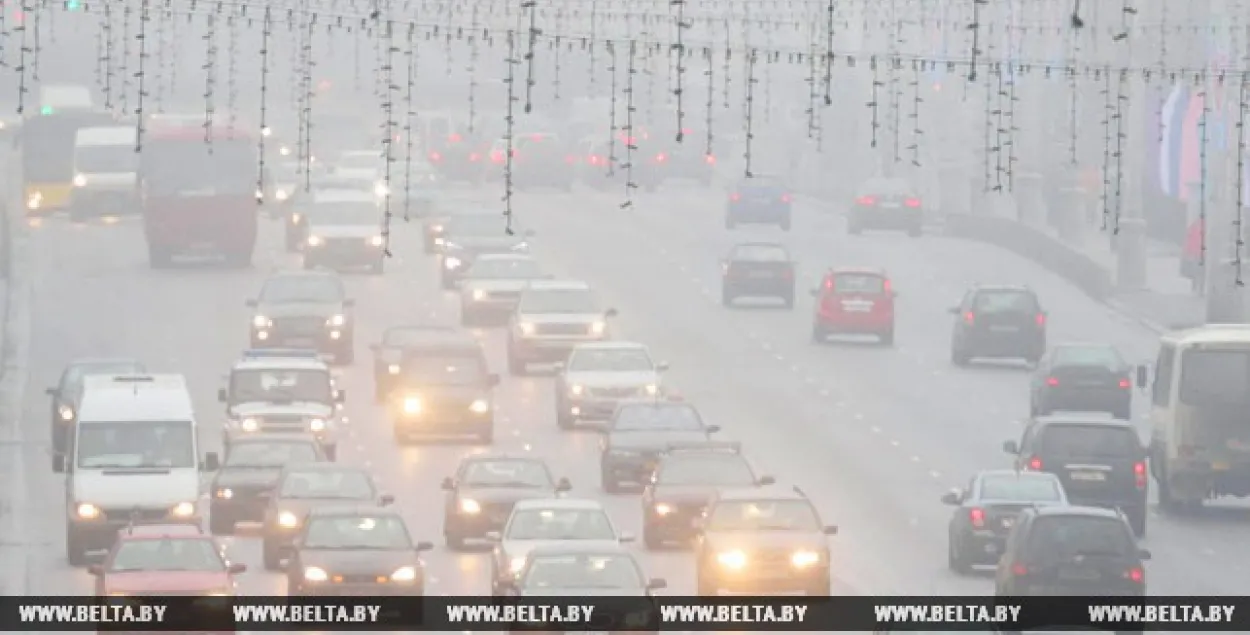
(135,460)
(106,173)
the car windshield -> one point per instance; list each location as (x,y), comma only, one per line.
(444,370)
(560,524)
(476,225)
(763,515)
(554,301)
(402,337)
(311,289)
(583,572)
(1025,488)
(346,484)
(167,554)
(269,453)
(506,473)
(658,416)
(760,253)
(619,360)
(363,213)
(1101,356)
(106,159)
(75,373)
(1216,378)
(858,283)
(357,532)
(1090,441)
(280,386)
(722,471)
(1007,301)
(138,444)
(360,161)
(1065,536)
(504,269)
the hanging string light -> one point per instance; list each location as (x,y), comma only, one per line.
(509,127)
(141,74)
(678,50)
(410,113)
(210,75)
(265,35)
(631,143)
(749,114)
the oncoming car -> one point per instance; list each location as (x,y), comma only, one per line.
(302,487)
(534,524)
(163,560)
(281,392)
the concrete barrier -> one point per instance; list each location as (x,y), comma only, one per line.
(1045,250)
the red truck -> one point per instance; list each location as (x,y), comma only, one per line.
(199,198)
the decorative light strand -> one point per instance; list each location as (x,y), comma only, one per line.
(631,143)
(141,75)
(679,50)
(749,113)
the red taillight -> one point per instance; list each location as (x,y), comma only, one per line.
(685,131)
(536,137)
(711,160)
(1035,464)
(1125,384)
(1139,473)
(455,138)
(970,318)
(661,158)
(1136,574)
(496,156)
(788,274)
(977,516)
(1019,570)
(735,197)
(1040,319)
(1052,381)
(473,156)
(829,284)
(785,198)
(912,202)
(594,159)
(866,200)
(434,156)
(886,287)
(570,159)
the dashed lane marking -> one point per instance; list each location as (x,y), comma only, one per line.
(935,474)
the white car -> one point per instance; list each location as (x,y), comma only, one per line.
(599,376)
(544,523)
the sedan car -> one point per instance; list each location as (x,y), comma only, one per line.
(344,230)
(469,236)
(639,431)
(165,560)
(534,524)
(687,477)
(67,393)
(598,377)
(398,344)
(1082,377)
(492,287)
(986,513)
(302,487)
(304,310)
(757,270)
(356,550)
(486,488)
(1000,322)
(251,467)
(552,317)
(760,199)
(886,203)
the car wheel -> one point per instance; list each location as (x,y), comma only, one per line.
(75,551)
(345,355)
(379,267)
(730,223)
(240,259)
(220,523)
(819,335)
(955,560)
(159,258)
(1137,520)
(705,588)
(785,225)
(959,356)
(467,317)
(272,557)
(854,228)
(563,421)
(915,231)
(292,243)
(610,485)
(787,300)
(1124,413)
(516,365)
(448,283)
(331,451)
(487,436)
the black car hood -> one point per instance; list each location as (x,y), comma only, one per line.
(358,561)
(684,493)
(300,309)
(301,506)
(652,440)
(505,494)
(237,477)
(447,392)
(501,243)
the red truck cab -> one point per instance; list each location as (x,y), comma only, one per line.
(199,198)
(165,560)
(854,301)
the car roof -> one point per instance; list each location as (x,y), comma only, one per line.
(1000,288)
(579,548)
(148,532)
(362,509)
(280,363)
(1083,418)
(766,245)
(862,270)
(611,345)
(1016,474)
(449,341)
(104,361)
(765,493)
(135,398)
(559,503)
(1076,510)
(558,285)
(344,195)
(500,456)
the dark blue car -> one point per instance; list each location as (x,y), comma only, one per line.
(762,200)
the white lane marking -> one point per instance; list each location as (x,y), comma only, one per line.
(876,429)
(935,474)
(859,416)
(824,392)
(895,443)
(915,459)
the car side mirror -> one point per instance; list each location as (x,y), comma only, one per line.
(563,485)
(348,303)
(831,530)
(1143,375)
(449,484)
(954,497)
(493,379)
(712,429)
(222,395)
(1144,554)
(211,462)
(662,366)
(767,480)
(251,304)
(51,392)
(1011,447)
(493,536)
(425,545)
(236,568)
(953,310)
(386,500)
(58,463)
(340,395)
(626,537)
(611,313)
(655,584)
(96,569)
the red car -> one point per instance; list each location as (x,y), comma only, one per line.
(165,560)
(854,300)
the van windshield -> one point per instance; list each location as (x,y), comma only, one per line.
(1215,378)
(136,444)
(113,159)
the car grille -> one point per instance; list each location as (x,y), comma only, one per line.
(772,558)
(497,512)
(141,515)
(304,325)
(249,491)
(615,392)
(563,329)
(283,423)
(360,578)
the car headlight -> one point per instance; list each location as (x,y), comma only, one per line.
(404,574)
(576,389)
(260,322)
(652,389)
(732,559)
(598,328)
(284,151)
(436,229)
(260,195)
(315,574)
(381,189)
(802,559)
(517,564)
(479,294)
(440,242)
(337,320)
(527,328)
(412,405)
(470,506)
(376,241)
(317,425)
(225,493)
(393,369)
(522,246)
(295,218)
(80,180)
(183,510)
(315,241)
(66,413)
(663,509)
(87,511)
(479,406)
(281,195)
(249,425)
(452,262)
(288,520)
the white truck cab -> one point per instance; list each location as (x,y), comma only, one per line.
(135,460)
(282,391)
(106,172)
(1200,414)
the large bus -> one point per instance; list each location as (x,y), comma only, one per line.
(1200,415)
(46,142)
(199,199)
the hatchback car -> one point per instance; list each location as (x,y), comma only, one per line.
(854,301)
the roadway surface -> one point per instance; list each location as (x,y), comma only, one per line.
(874,435)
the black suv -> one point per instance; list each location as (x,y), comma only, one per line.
(998,322)
(304,310)
(241,488)
(1082,377)
(486,487)
(1100,460)
(757,270)
(444,388)
(1072,551)
(986,512)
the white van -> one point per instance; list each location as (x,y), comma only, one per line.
(1200,414)
(106,172)
(134,460)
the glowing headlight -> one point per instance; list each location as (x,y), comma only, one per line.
(479,294)
(315,241)
(652,389)
(87,511)
(183,510)
(266,131)
(376,241)
(663,509)
(393,369)
(295,218)
(288,520)
(260,322)
(404,574)
(803,559)
(66,413)
(225,493)
(317,425)
(412,405)
(440,242)
(260,195)
(577,389)
(284,151)
(469,506)
(381,190)
(281,195)
(34,201)
(517,564)
(249,425)
(337,320)
(522,246)
(598,328)
(732,559)
(452,263)
(480,406)
(80,180)
(436,229)
(315,574)
(527,328)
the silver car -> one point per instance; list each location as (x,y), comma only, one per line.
(540,523)
(551,318)
(491,288)
(598,377)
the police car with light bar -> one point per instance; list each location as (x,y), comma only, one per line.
(282,391)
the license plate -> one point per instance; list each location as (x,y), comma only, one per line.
(890,205)
(1089,476)
(1091,384)
(1005,329)
(1075,573)
(301,341)
(857,307)
(1220,466)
